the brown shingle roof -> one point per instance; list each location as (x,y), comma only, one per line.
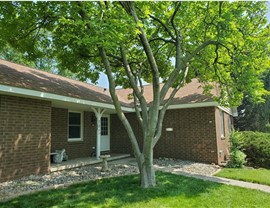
(190,93)
(20,76)
(17,75)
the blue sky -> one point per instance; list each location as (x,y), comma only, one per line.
(268,14)
(103,81)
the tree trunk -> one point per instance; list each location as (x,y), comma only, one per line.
(147,171)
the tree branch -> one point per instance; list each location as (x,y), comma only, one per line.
(162,39)
(117,105)
(165,107)
(140,79)
(199,48)
(178,4)
(135,88)
(37,27)
(146,46)
(154,107)
(164,26)
(173,76)
(115,57)
(137,110)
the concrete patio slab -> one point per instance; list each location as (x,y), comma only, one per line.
(75,163)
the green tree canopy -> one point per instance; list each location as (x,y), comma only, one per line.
(255,116)
(226,43)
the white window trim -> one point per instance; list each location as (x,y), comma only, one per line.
(82,125)
(221,122)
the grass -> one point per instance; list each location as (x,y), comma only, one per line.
(171,191)
(261,176)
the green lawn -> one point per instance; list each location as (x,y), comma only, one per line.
(172,191)
(261,176)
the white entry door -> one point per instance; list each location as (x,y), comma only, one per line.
(105,133)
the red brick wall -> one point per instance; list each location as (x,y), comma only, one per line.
(223,143)
(25,131)
(74,149)
(119,141)
(193,136)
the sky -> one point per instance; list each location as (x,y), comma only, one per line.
(268,14)
(103,81)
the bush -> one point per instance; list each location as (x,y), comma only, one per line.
(256,145)
(267,128)
(237,157)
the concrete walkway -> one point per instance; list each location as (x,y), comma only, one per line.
(226,181)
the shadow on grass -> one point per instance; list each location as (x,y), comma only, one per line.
(114,192)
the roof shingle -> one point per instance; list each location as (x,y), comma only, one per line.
(20,76)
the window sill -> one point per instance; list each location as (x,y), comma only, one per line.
(75,140)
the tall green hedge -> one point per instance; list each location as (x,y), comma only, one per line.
(256,146)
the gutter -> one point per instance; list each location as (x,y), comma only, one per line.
(54,97)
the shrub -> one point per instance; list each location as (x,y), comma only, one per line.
(256,145)
(237,157)
(267,128)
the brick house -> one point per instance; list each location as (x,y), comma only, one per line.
(41,112)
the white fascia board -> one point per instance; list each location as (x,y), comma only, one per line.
(227,110)
(193,105)
(190,105)
(54,97)
(50,96)
(198,105)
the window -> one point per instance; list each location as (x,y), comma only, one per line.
(222,130)
(104,126)
(75,126)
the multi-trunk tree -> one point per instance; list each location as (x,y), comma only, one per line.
(221,43)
